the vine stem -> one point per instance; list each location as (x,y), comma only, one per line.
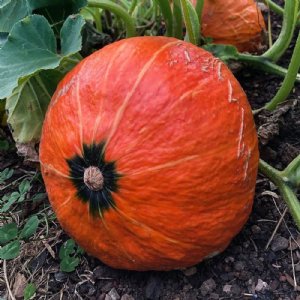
(289,80)
(199,9)
(261,63)
(117,10)
(279,10)
(282,182)
(286,33)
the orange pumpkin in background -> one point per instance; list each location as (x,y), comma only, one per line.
(149,154)
(233,22)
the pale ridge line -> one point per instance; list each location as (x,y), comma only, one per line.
(120,112)
(51,168)
(105,79)
(241,132)
(69,199)
(166,165)
(79,113)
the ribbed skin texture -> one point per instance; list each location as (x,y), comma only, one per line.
(179,129)
(234,22)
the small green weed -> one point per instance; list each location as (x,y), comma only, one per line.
(11,236)
(69,255)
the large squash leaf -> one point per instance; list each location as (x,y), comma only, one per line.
(27,106)
(11,11)
(33,88)
(31,46)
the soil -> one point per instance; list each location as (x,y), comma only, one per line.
(262,262)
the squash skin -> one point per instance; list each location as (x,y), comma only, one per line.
(180,130)
(239,23)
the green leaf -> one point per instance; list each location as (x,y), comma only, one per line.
(67,249)
(29,291)
(68,254)
(71,40)
(30,227)
(224,52)
(11,199)
(24,186)
(69,264)
(31,46)
(11,11)
(8,232)
(27,106)
(11,250)
(6,174)
(191,22)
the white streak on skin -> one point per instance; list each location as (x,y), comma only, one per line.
(230,90)
(219,70)
(79,114)
(241,133)
(246,165)
(120,112)
(165,166)
(187,56)
(51,168)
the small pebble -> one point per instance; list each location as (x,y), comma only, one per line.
(261,286)
(114,294)
(279,243)
(190,271)
(208,286)
(227,288)
(256,229)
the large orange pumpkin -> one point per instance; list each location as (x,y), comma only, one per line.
(234,22)
(149,154)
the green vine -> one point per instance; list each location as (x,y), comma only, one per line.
(119,11)
(285,183)
(289,80)
(286,33)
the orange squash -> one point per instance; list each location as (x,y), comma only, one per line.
(149,154)
(233,22)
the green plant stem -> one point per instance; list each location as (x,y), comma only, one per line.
(285,190)
(97,20)
(167,15)
(286,34)
(289,80)
(295,164)
(261,63)
(279,10)
(191,22)
(119,11)
(274,7)
(132,6)
(177,20)
(199,9)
